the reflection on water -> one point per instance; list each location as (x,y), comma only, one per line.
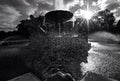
(104,57)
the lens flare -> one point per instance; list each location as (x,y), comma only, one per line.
(87,14)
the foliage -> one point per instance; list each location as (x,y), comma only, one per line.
(104,19)
(64,53)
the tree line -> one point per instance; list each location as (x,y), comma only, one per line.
(101,21)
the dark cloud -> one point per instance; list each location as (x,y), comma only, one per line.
(12,10)
(45,6)
(76,7)
(8,16)
(91,1)
(68,1)
(113,6)
(118,13)
(21,5)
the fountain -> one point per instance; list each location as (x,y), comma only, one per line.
(58,17)
(58,51)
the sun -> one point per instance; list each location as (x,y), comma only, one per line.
(86,14)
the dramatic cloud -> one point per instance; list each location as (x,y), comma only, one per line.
(12,11)
(8,16)
(113,5)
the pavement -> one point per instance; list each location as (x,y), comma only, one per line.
(26,77)
(104,55)
(95,77)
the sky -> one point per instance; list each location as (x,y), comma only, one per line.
(13,11)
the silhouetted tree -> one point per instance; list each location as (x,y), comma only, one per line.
(104,19)
(22,29)
(2,35)
(118,27)
(27,27)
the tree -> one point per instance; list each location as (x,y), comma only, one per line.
(27,27)
(118,27)
(2,35)
(22,29)
(104,19)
